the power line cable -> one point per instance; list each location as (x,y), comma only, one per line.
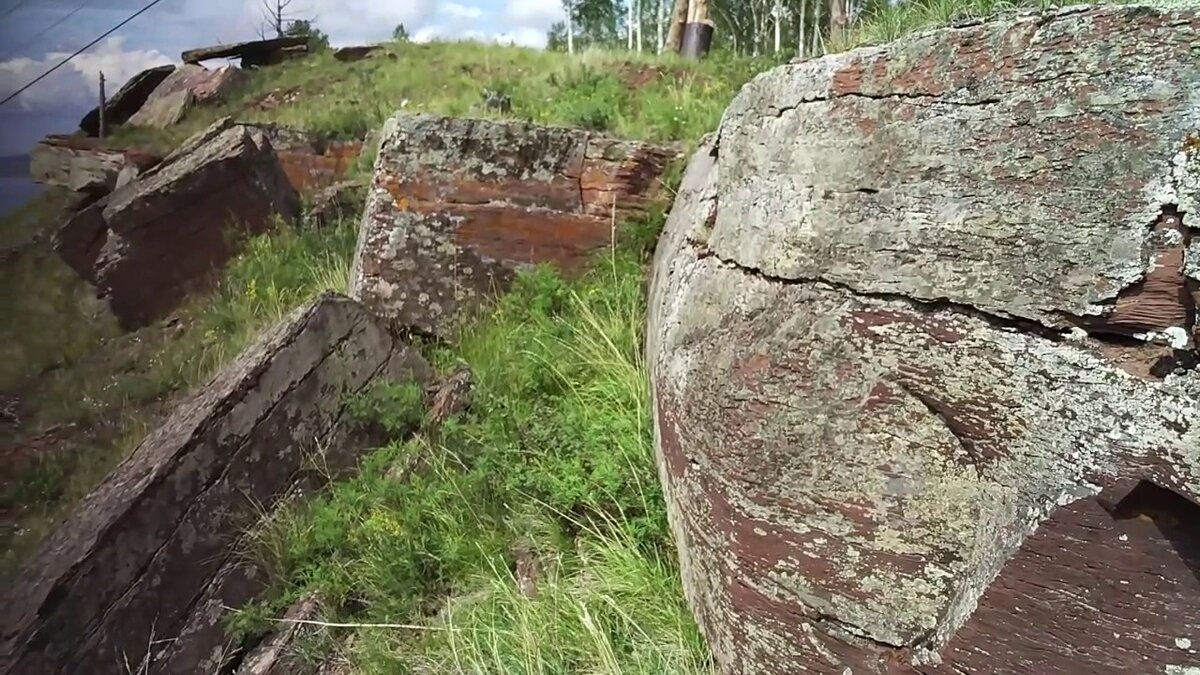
(81,50)
(47,29)
(19,5)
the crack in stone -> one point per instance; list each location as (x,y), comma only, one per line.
(996,320)
(912,98)
(940,412)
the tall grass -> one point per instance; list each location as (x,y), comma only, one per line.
(672,100)
(554,454)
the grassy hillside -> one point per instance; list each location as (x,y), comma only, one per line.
(425,553)
(85,393)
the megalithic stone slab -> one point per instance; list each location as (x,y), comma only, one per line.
(456,206)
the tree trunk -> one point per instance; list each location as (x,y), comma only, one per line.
(629,25)
(661,21)
(675,31)
(816,34)
(838,14)
(570,28)
(638,26)
(778,11)
(800,30)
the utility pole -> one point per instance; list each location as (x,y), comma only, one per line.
(101,108)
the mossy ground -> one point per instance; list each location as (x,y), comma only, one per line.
(553,458)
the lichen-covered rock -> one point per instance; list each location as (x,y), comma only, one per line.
(168,233)
(456,205)
(925,396)
(152,554)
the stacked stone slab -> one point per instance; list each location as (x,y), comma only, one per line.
(457,205)
(923,352)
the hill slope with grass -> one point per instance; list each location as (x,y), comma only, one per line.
(529,534)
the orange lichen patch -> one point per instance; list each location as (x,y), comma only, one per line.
(308,171)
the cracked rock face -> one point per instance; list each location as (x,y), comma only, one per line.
(456,206)
(922,339)
(157,552)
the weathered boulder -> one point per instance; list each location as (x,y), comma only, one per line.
(924,396)
(126,101)
(207,85)
(188,86)
(456,205)
(83,164)
(168,233)
(164,111)
(145,551)
(350,54)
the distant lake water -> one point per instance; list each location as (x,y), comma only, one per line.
(16,192)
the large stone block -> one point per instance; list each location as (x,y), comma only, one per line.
(153,552)
(457,205)
(168,233)
(926,398)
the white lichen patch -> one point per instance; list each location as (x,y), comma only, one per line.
(1177,337)
(1183,643)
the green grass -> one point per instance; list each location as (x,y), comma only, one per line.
(554,455)
(345,101)
(106,388)
(888,21)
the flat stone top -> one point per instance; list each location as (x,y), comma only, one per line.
(238,49)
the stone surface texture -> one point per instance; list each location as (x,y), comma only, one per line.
(140,557)
(83,164)
(921,339)
(456,205)
(168,233)
(164,111)
(127,100)
(187,86)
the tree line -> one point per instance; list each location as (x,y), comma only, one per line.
(748,27)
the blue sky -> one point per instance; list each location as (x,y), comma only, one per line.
(55,104)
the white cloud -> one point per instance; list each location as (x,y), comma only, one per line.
(75,84)
(534,14)
(461,11)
